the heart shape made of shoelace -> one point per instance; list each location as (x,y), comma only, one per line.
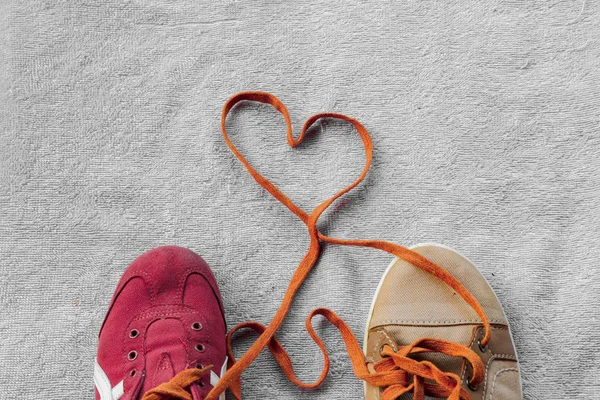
(398,373)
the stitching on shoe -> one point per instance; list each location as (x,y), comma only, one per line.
(503,370)
(369,358)
(386,335)
(182,282)
(487,367)
(475,336)
(163,313)
(149,285)
(472,321)
(382,334)
(478,329)
(378,343)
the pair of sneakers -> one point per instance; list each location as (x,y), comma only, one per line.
(166,316)
(435,327)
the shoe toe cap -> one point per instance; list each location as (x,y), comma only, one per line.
(166,276)
(166,269)
(410,296)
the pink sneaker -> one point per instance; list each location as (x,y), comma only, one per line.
(166,316)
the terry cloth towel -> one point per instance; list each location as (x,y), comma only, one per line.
(484,117)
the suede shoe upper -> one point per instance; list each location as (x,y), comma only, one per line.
(165,316)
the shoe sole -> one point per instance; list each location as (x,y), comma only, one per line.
(387,270)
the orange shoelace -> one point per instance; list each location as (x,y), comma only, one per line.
(397,372)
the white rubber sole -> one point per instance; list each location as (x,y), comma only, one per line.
(387,270)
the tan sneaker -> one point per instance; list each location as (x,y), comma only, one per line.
(410,304)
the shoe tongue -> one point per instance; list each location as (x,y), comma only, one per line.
(166,353)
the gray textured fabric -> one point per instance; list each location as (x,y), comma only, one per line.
(484,117)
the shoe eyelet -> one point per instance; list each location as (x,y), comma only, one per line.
(134,333)
(199,366)
(132,355)
(200,347)
(471,386)
(201,384)
(132,373)
(482,347)
(197,326)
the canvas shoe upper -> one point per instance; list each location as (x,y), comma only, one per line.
(165,316)
(410,304)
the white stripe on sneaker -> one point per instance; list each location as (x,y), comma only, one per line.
(214,378)
(107,393)
(103,384)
